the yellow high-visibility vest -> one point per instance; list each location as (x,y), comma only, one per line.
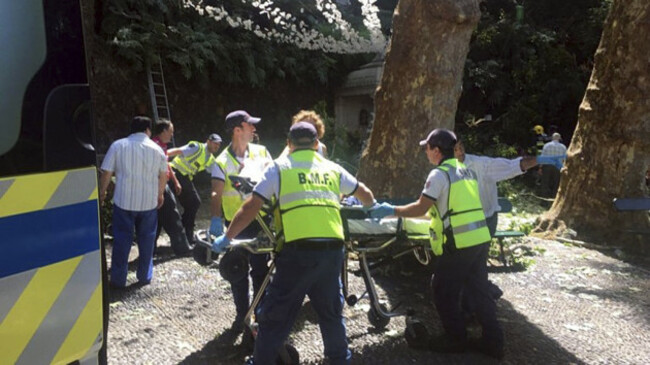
(231,200)
(309,197)
(198,161)
(465,212)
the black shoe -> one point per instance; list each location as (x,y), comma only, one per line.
(445,344)
(487,348)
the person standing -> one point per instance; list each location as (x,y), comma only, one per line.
(489,171)
(307,187)
(168,216)
(245,159)
(140,169)
(459,235)
(313,118)
(188,161)
(551,173)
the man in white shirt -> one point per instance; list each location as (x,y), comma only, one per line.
(489,171)
(140,169)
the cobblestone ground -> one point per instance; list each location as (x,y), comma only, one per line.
(572,306)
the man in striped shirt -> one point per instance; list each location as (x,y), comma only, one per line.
(140,169)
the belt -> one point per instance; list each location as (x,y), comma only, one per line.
(307,245)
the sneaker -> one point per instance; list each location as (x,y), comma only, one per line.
(445,344)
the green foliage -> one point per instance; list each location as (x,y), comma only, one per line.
(527,73)
(210,51)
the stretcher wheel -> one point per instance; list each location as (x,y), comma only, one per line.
(234,265)
(351,300)
(288,356)
(204,256)
(202,251)
(377,320)
(416,334)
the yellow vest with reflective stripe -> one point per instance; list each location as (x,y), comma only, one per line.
(231,200)
(465,212)
(190,165)
(309,197)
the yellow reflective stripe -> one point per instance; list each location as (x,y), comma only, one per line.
(36,300)
(94,195)
(85,331)
(30,193)
(302,196)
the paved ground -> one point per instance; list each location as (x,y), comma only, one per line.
(572,306)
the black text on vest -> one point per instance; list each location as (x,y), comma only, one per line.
(314,178)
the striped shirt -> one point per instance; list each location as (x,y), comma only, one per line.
(488,172)
(137,162)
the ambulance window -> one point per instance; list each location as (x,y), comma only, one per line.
(22,40)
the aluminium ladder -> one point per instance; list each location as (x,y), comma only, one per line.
(158,91)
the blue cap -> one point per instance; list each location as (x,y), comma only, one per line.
(236,118)
(303,134)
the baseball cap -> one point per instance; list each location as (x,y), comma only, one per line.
(440,137)
(236,118)
(303,134)
(214,138)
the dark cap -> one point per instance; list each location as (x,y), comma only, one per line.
(214,138)
(236,118)
(440,137)
(303,134)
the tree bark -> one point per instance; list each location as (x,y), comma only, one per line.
(419,91)
(610,151)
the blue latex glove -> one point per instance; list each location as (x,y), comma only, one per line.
(216,226)
(220,244)
(382,210)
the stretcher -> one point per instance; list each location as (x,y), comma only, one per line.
(375,243)
(365,238)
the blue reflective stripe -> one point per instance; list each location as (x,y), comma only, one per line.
(44,237)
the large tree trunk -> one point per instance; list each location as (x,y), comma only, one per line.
(419,91)
(610,151)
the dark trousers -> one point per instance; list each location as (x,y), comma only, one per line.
(550,181)
(190,200)
(258,270)
(124,222)
(465,269)
(467,299)
(170,219)
(299,273)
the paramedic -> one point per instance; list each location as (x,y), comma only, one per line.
(246,159)
(459,236)
(190,160)
(307,187)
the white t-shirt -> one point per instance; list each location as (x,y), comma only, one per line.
(251,168)
(437,188)
(269,185)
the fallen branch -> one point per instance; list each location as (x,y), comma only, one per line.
(587,244)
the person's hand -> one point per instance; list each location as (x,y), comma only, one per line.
(161,200)
(216,226)
(382,210)
(178,188)
(220,244)
(102,197)
(527,162)
(367,208)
